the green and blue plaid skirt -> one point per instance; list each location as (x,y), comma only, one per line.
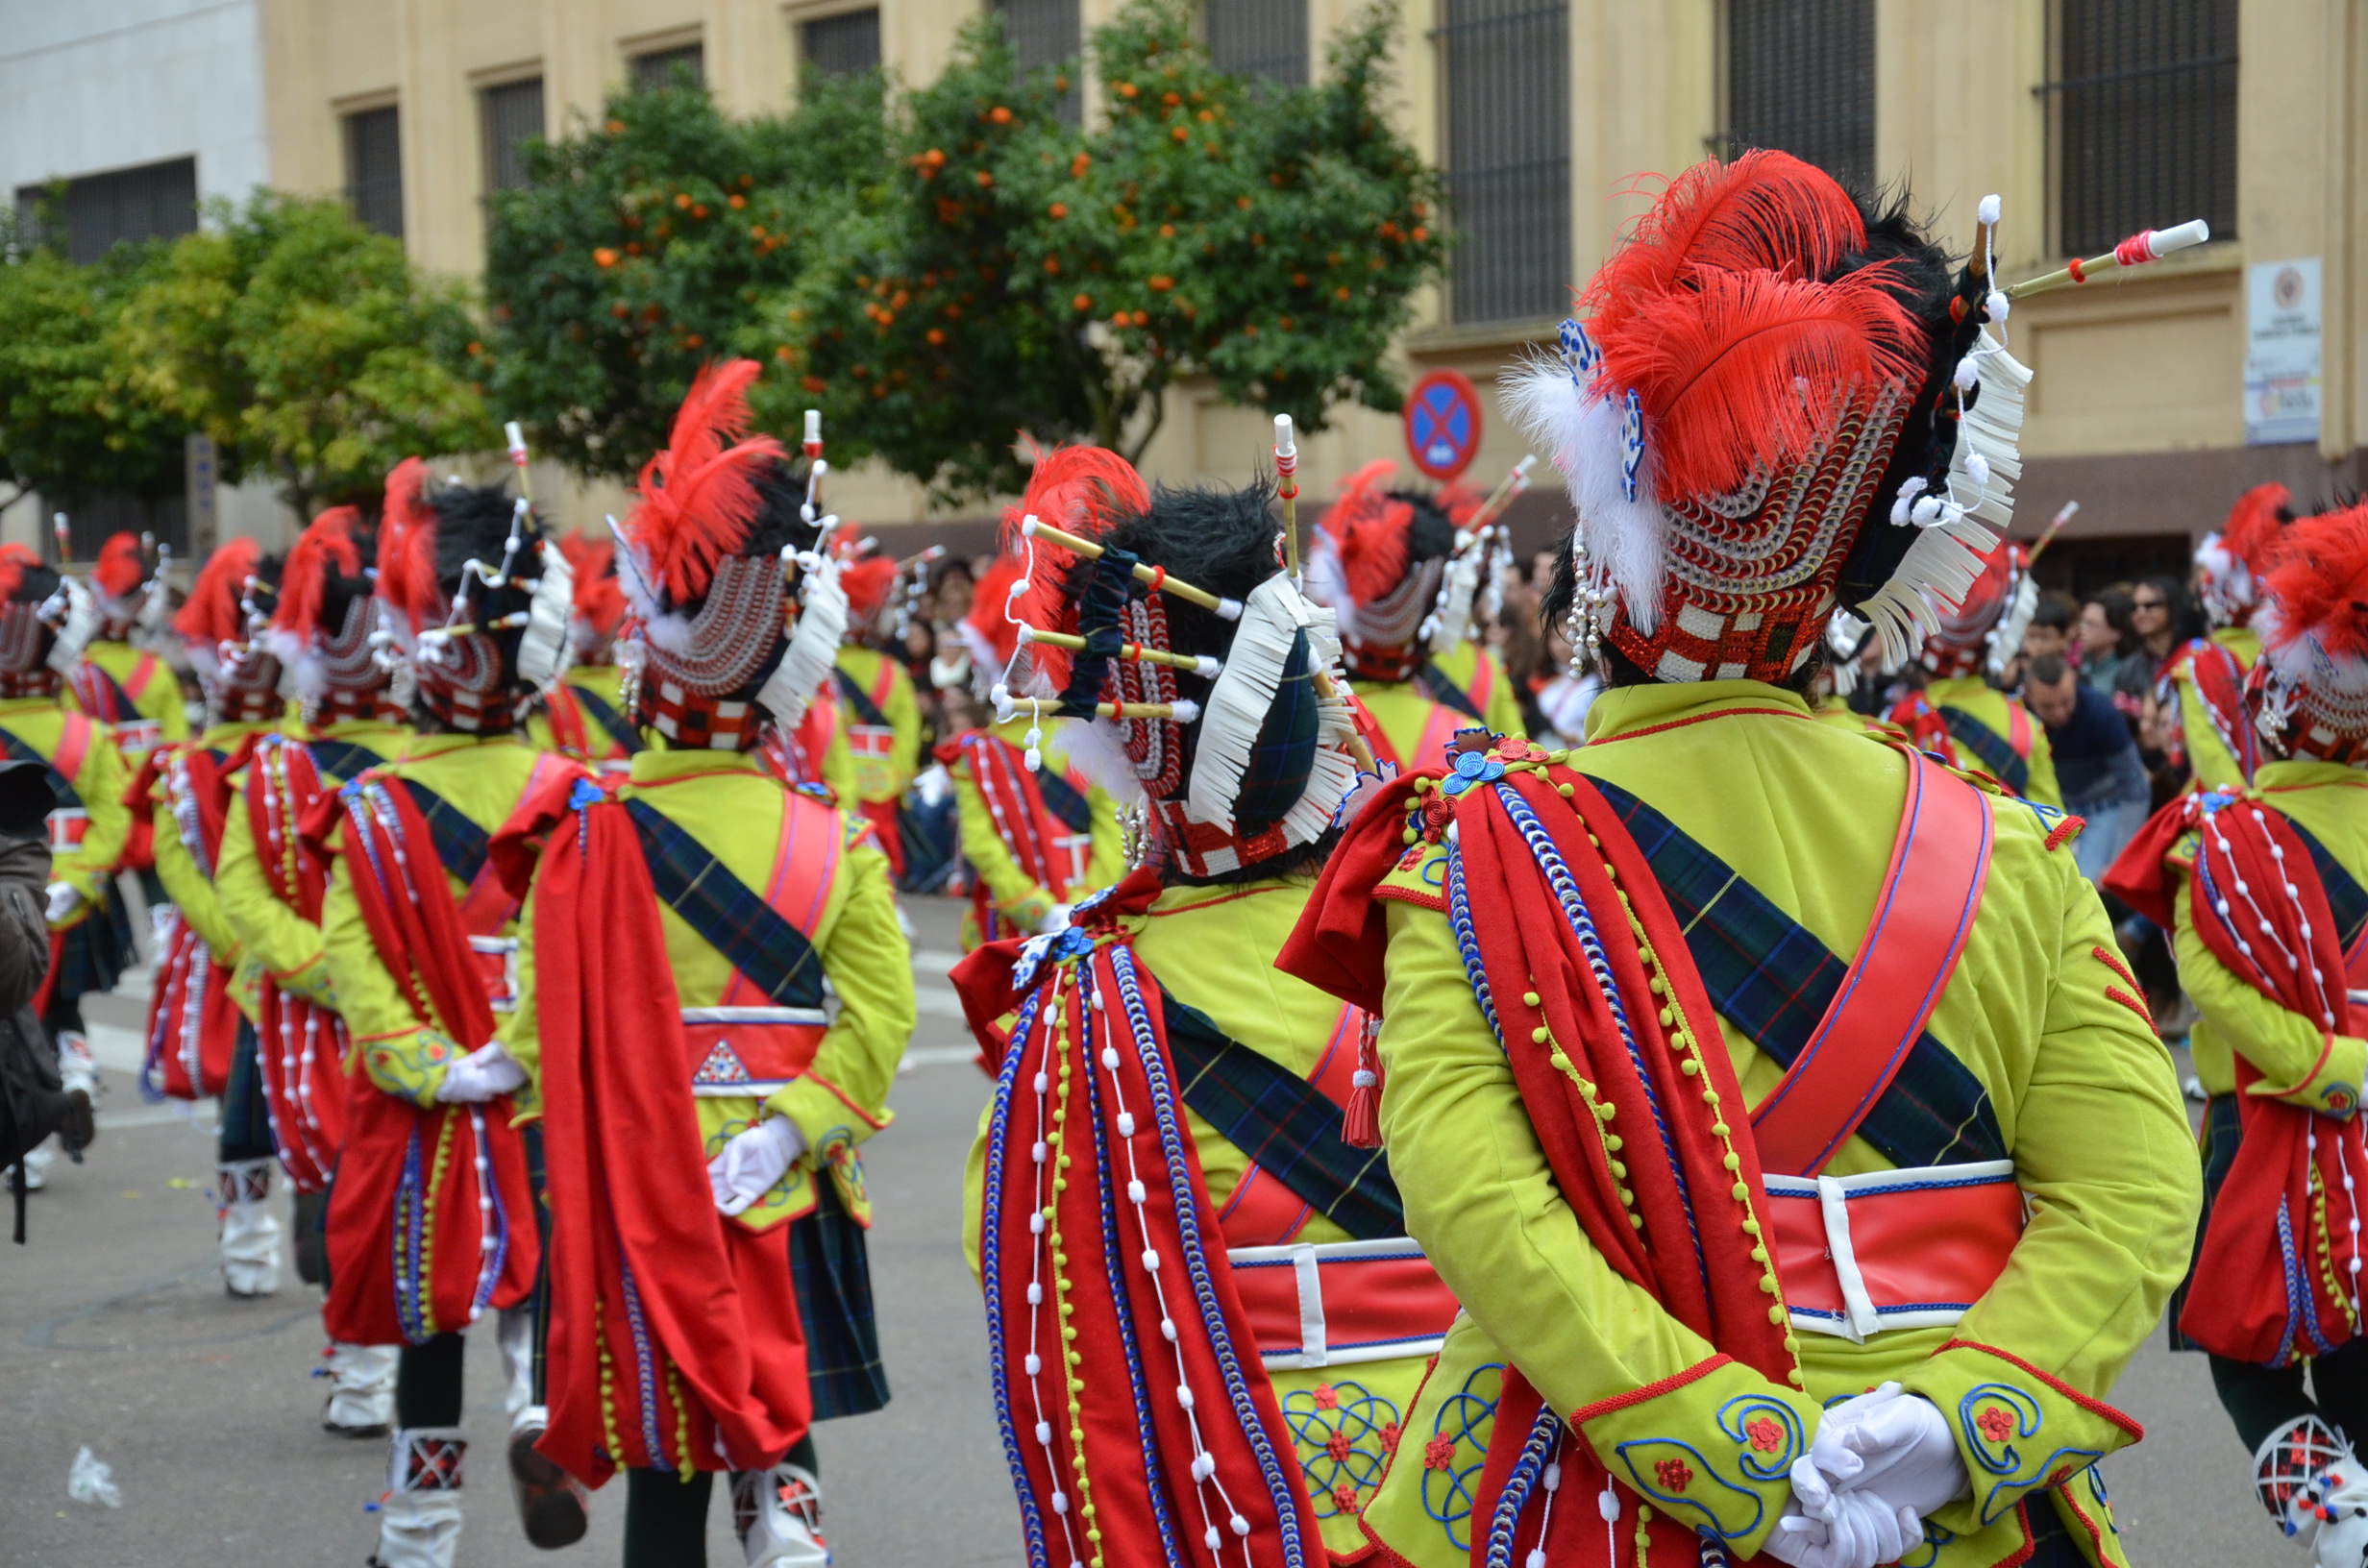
(829,1260)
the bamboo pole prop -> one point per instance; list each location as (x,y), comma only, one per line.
(507,623)
(1287,488)
(2144,246)
(516,437)
(1229,609)
(1512,485)
(1198,664)
(2053,528)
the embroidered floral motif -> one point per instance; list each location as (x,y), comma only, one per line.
(1388,1438)
(1337,1429)
(1674,1475)
(1438,1453)
(1765,1434)
(1327,1397)
(1997,1424)
(1344,1499)
(1337,1445)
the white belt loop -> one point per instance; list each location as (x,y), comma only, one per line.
(1313,1350)
(1860,1318)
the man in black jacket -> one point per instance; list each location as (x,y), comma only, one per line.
(34,1102)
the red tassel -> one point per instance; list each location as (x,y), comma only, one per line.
(1361,1125)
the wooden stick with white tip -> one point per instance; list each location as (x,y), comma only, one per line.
(1229,609)
(1515,481)
(1287,490)
(2144,246)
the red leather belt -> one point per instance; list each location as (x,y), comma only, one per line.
(1892,1249)
(1337,1303)
(750,1050)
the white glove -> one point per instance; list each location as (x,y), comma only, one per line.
(478,1076)
(1897,1446)
(754,1163)
(1822,1528)
(1056,919)
(64,898)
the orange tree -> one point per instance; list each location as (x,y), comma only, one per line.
(641,244)
(1007,273)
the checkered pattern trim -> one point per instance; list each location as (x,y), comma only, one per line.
(248,705)
(1771,978)
(699,724)
(1203,850)
(24,642)
(1288,1128)
(29,683)
(476,713)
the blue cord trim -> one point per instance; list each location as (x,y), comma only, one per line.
(991,1278)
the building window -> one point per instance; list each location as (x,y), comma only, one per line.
(94,214)
(656,68)
(1801,79)
(2142,120)
(841,45)
(1259,37)
(1506,66)
(373,170)
(512,115)
(1045,33)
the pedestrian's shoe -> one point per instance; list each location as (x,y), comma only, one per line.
(779,1513)
(250,1230)
(362,1389)
(554,1508)
(77,1068)
(419,1519)
(37,1162)
(2316,1489)
(310,1239)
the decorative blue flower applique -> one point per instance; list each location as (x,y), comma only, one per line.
(1473,767)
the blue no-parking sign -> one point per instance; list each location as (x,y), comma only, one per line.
(1442,423)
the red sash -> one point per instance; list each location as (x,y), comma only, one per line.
(301,1045)
(432,1218)
(193,1022)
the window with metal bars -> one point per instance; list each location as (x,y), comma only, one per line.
(1045,33)
(841,45)
(1506,69)
(2141,118)
(94,214)
(374,169)
(656,68)
(1259,37)
(513,114)
(94,517)
(1801,79)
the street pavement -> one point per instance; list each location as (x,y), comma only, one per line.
(114,1334)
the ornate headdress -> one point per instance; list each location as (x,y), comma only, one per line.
(223,623)
(719,551)
(868,575)
(1253,764)
(45,622)
(1380,563)
(1983,630)
(481,595)
(119,585)
(599,610)
(2231,562)
(328,624)
(2308,690)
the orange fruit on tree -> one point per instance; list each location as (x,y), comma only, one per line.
(1081,301)
(604,257)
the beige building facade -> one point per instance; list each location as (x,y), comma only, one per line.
(2080,114)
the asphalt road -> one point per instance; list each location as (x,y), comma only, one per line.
(115,1333)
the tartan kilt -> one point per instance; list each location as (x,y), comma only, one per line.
(830,1261)
(2221,1131)
(92,955)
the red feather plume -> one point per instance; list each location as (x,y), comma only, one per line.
(699,496)
(598,597)
(325,546)
(14,558)
(2319,583)
(211,616)
(1086,491)
(868,582)
(122,566)
(406,545)
(1371,531)
(1765,212)
(2254,524)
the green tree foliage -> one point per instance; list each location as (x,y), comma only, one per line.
(68,424)
(641,246)
(1008,273)
(306,346)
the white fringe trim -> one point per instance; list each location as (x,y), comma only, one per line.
(1242,696)
(546,651)
(81,625)
(813,648)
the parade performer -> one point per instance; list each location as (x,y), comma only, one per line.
(433,1217)
(200,1044)
(884,728)
(126,687)
(2203,683)
(1960,716)
(1385,562)
(701,1112)
(1462,671)
(325,632)
(45,621)
(1037,832)
(2264,892)
(1748,1081)
(583,714)
(1205,1322)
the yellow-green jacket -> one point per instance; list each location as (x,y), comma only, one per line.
(40,723)
(884,763)
(152,687)
(1995,711)
(1480,676)
(2210,761)
(1013,894)
(2083,1095)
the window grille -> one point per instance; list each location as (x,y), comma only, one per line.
(1801,79)
(1045,33)
(841,45)
(153,201)
(374,169)
(95,517)
(512,115)
(656,68)
(1506,66)
(2142,120)
(1259,37)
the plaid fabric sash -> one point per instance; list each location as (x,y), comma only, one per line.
(1774,979)
(609,717)
(754,936)
(1287,1125)
(341,760)
(867,712)
(2346,899)
(69,798)
(459,843)
(114,704)
(1432,682)
(1065,801)
(1995,752)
